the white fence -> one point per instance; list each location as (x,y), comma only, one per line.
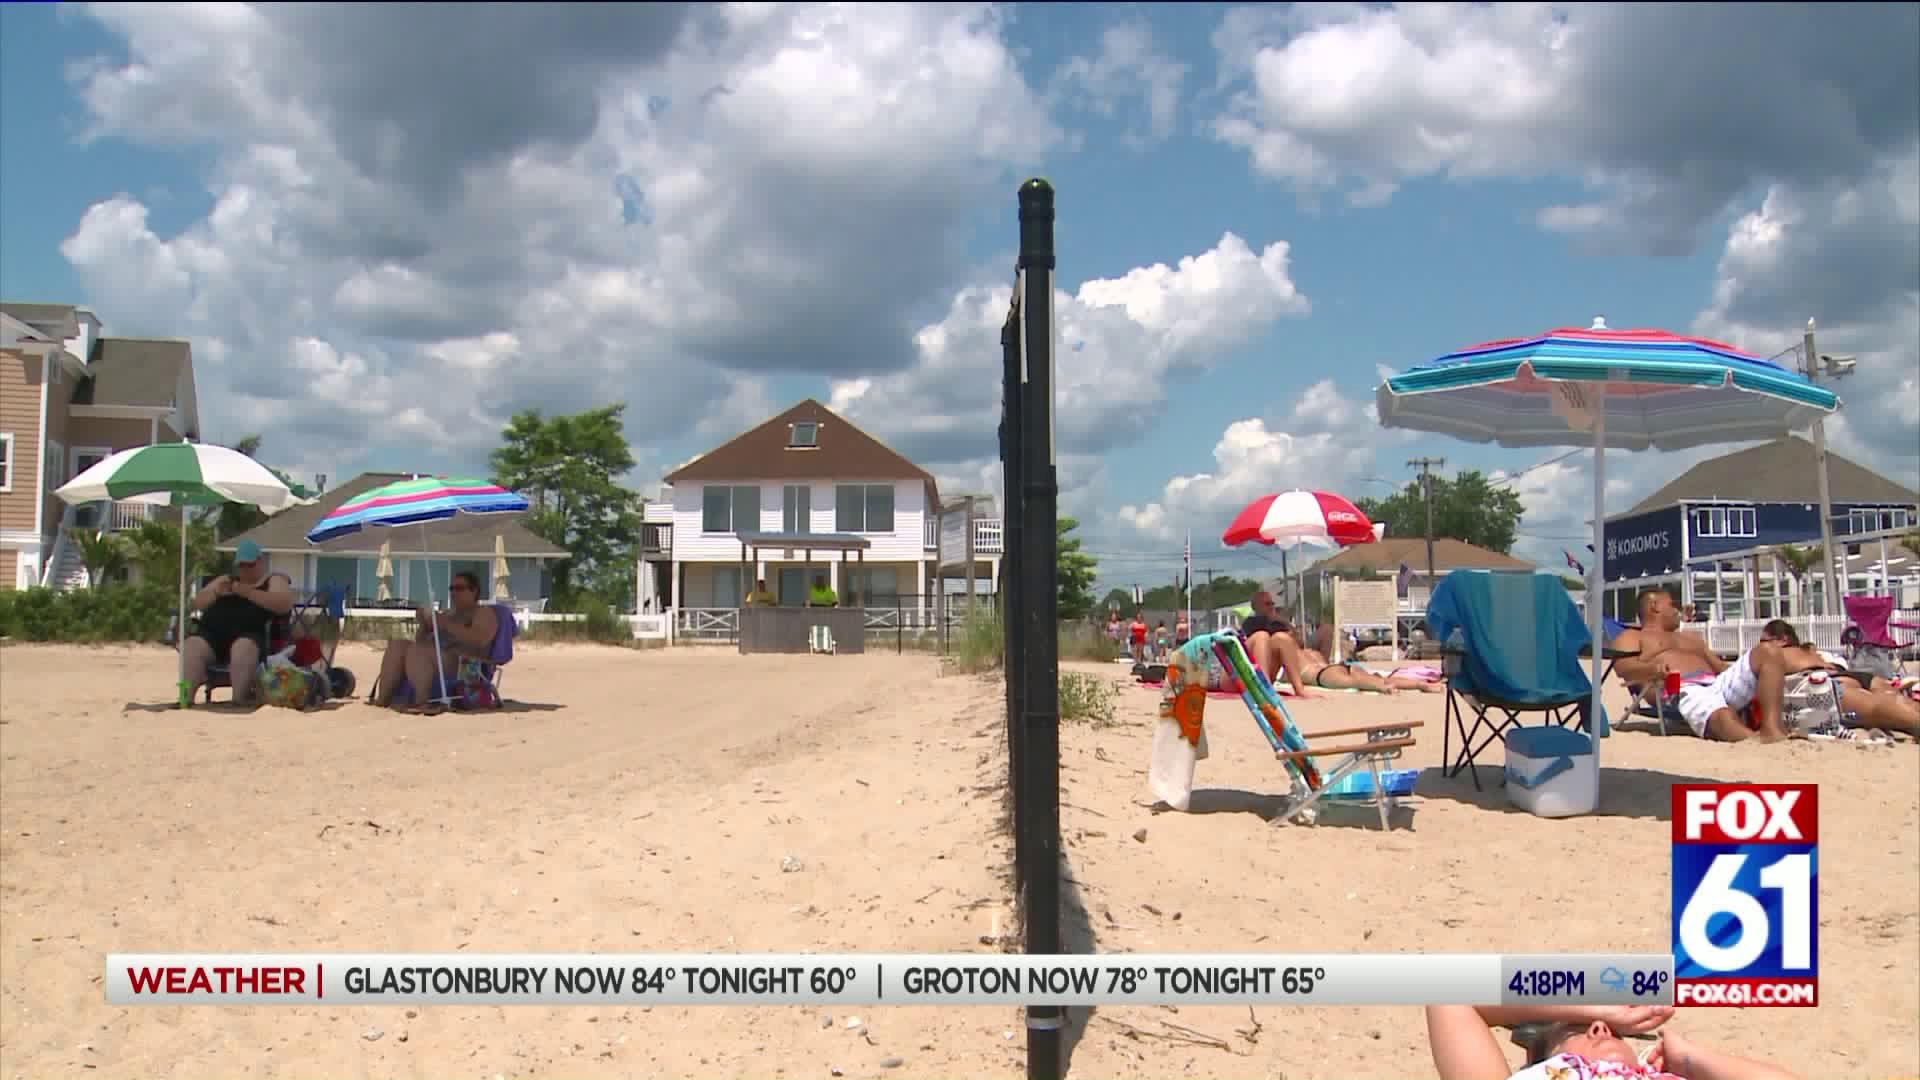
(1732,637)
(723,624)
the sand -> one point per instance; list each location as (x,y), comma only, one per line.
(646,800)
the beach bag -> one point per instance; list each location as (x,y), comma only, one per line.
(1811,703)
(291,687)
(471,689)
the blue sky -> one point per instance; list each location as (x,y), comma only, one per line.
(361,316)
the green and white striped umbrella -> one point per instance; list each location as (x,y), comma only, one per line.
(194,474)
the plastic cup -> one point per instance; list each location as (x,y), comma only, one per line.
(1673,683)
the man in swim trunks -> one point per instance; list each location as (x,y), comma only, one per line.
(1271,644)
(1713,693)
(1882,710)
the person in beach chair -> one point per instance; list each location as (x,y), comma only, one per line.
(1713,693)
(1271,644)
(1863,706)
(1578,1042)
(238,613)
(468,633)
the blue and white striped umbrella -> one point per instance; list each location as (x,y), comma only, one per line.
(1625,389)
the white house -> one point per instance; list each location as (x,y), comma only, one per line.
(810,477)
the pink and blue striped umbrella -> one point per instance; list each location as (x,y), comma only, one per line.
(415,502)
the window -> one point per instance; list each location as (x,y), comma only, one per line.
(1724,521)
(56,470)
(881,586)
(804,435)
(342,572)
(796,508)
(6,461)
(1878,520)
(726,508)
(863,508)
(417,579)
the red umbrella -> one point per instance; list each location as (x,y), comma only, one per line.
(1309,517)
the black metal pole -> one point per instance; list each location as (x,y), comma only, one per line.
(1039,611)
(1014,662)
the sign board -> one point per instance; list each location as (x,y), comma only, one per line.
(953,536)
(1370,605)
(1643,546)
(649,627)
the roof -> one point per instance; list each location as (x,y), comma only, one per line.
(59,315)
(1781,471)
(462,535)
(1386,555)
(134,371)
(841,452)
(808,541)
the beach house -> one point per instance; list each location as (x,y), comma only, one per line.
(1711,533)
(804,494)
(69,398)
(418,557)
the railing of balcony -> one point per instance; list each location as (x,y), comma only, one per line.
(987,536)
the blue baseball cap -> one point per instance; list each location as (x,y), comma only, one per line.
(246,551)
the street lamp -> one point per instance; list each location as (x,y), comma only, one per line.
(1837,367)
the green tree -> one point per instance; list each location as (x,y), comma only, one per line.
(1799,561)
(232,519)
(1224,590)
(1076,571)
(101,552)
(569,467)
(1465,507)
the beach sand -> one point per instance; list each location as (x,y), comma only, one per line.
(645,801)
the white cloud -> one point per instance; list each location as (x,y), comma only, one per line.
(1128,66)
(1118,340)
(545,209)
(1326,442)
(1661,109)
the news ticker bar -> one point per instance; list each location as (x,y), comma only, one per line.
(927,979)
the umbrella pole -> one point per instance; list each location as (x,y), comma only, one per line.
(439,662)
(1596,718)
(180,603)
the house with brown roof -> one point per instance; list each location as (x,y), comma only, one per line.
(803,495)
(69,398)
(1747,501)
(421,555)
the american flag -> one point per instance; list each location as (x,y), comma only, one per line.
(1573,562)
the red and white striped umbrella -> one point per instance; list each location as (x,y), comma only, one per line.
(1308,517)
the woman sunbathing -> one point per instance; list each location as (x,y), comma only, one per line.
(1874,701)
(1580,1043)
(1315,669)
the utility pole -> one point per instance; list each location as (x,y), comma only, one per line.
(1837,367)
(1426,465)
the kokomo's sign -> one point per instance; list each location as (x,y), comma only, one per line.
(1641,551)
(1637,545)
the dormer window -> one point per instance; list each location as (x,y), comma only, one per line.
(804,435)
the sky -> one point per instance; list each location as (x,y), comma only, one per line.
(385,228)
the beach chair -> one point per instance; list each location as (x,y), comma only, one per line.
(1648,701)
(320,614)
(1511,644)
(487,670)
(1868,641)
(1218,661)
(820,640)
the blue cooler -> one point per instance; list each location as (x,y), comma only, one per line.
(1551,771)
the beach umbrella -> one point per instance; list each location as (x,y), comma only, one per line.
(383,572)
(1625,389)
(1320,518)
(502,573)
(182,474)
(1300,517)
(416,502)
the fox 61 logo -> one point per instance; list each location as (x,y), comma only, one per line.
(1745,903)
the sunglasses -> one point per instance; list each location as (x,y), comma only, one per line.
(457,587)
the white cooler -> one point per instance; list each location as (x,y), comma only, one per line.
(1551,771)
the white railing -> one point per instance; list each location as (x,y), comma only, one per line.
(988,539)
(128,515)
(723,624)
(1731,637)
(709,623)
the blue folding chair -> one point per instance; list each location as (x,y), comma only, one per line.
(1511,644)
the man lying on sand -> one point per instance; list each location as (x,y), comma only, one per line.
(1884,709)
(1582,1043)
(1713,692)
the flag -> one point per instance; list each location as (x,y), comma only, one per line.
(1573,562)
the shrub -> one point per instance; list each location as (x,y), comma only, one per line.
(1088,698)
(116,612)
